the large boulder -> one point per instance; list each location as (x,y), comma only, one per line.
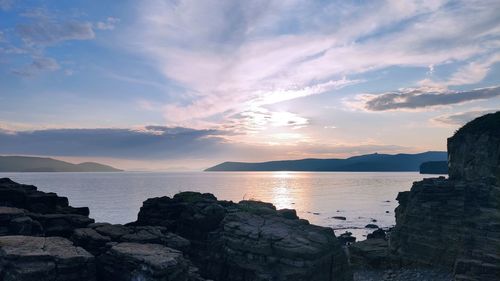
(249,240)
(455,223)
(30,258)
(148,262)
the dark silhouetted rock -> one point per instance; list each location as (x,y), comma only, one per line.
(377,234)
(30,258)
(346,238)
(44,214)
(14,221)
(249,240)
(454,223)
(339,218)
(370,253)
(371,225)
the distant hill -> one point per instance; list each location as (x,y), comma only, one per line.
(363,163)
(41,164)
(434,167)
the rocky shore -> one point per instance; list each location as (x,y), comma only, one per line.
(446,229)
(190,237)
(446,225)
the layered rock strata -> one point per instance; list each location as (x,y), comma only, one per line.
(249,240)
(171,239)
(455,223)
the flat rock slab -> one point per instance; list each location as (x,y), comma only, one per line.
(134,261)
(30,258)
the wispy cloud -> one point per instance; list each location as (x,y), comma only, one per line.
(43,32)
(231,56)
(39,64)
(108,24)
(6,4)
(420,98)
(461,118)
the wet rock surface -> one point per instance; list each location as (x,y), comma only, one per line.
(455,223)
(31,258)
(249,240)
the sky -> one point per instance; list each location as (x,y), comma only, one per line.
(159,85)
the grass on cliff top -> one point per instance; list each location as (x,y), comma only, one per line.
(487,123)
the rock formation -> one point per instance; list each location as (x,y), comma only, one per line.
(43,238)
(455,223)
(249,240)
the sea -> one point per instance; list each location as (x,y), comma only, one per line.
(361,197)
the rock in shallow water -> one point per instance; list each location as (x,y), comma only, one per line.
(30,258)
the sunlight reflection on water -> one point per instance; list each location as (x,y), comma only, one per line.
(117,197)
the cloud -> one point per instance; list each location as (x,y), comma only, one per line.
(418,98)
(40,29)
(6,4)
(39,65)
(461,118)
(150,142)
(258,119)
(48,32)
(160,143)
(230,56)
(473,72)
(109,24)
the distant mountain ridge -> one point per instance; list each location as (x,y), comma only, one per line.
(363,163)
(43,164)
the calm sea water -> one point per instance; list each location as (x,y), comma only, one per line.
(117,197)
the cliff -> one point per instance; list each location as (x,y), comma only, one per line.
(455,223)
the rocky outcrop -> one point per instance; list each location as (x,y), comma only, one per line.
(26,211)
(29,198)
(455,222)
(30,258)
(171,239)
(474,150)
(249,240)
